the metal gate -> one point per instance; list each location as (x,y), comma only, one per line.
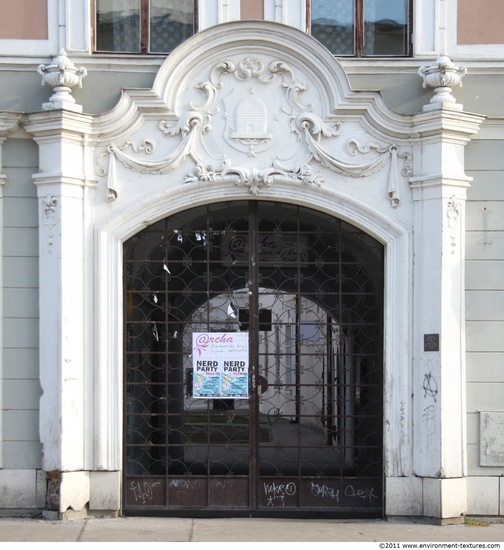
(307,439)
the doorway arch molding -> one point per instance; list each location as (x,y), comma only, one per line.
(112,232)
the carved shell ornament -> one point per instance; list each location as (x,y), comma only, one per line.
(252,127)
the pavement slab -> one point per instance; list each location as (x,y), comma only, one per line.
(197,530)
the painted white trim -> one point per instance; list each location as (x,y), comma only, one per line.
(76,27)
(23,48)
(476,52)
(424,27)
(288,12)
(213,12)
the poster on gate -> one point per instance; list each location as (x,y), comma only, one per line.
(220,365)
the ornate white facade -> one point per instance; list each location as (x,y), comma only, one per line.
(252,110)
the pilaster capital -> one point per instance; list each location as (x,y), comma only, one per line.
(447,125)
(56,125)
(63,139)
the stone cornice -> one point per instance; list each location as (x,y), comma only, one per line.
(9,122)
(52,124)
(455,125)
(438,180)
(352,65)
(134,107)
(492,128)
(58,178)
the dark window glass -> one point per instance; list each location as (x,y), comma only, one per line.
(362,27)
(143,26)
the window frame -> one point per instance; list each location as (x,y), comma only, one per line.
(359,31)
(144,18)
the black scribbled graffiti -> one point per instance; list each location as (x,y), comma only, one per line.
(430,386)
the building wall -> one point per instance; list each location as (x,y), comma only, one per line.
(26,20)
(485,324)
(21,482)
(21,448)
(402,90)
(480,22)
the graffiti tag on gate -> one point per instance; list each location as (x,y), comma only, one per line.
(277,494)
(143,491)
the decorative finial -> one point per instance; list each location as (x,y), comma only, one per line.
(62,75)
(441,76)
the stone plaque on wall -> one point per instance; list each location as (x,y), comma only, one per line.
(491,438)
(431,342)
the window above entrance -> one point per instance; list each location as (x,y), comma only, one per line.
(142,26)
(362,28)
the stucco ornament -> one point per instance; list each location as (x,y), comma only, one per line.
(442,76)
(50,208)
(252,123)
(62,75)
(453,212)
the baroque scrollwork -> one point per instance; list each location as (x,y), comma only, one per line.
(270,107)
(255,179)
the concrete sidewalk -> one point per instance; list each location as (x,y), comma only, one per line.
(241,530)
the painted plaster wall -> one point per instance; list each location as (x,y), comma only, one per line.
(485,323)
(26,20)
(484,295)
(251,9)
(21,388)
(480,22)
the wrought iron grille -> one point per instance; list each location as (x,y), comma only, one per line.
(307,437)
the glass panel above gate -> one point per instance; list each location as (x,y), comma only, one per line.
(253,363)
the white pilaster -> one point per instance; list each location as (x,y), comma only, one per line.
(439,196)
(61,187)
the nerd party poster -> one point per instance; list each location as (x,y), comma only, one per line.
(220,365)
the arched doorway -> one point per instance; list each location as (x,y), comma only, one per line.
(301,433)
